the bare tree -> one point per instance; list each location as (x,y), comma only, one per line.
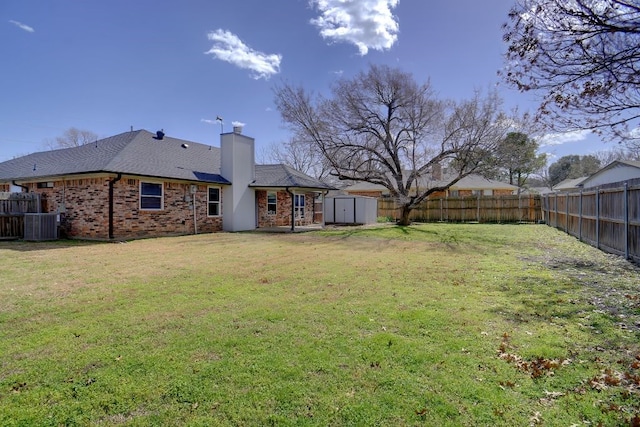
(608,156)
(72,137)
(299,153)
(583,58)
(384,128)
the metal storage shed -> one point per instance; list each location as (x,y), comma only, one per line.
(350,210)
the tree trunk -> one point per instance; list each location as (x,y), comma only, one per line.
(404,218)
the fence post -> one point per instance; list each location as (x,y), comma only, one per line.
(580,217)
(446,205)
(556,208)
(598,218)
(626,220)
(440,210)
(478,207)
(566,220)
(519,206)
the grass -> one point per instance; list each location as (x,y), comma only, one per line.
(424,325)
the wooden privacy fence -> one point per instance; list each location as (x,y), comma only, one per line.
(524,208)
(607,218)
(13,206)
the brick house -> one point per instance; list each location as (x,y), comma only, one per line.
(141,184)
(471,185)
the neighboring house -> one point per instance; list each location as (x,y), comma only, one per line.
(537,190)
(141,184)
(617,171)
(570,184)
(471,185)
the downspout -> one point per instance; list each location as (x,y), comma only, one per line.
(293,209)
(195,219)
(26,188)
(111,184)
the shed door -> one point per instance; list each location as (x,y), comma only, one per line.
(344,212)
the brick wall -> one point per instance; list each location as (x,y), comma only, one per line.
(85,204)
(376,194)
(283,209)
(176,218)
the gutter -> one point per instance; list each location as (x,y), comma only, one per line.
(111,184)
(26,189)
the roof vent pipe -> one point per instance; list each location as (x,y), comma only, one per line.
(237,129)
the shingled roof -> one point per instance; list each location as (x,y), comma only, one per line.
(136,153)
(285,176)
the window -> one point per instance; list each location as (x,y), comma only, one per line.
(213,201)
(454,193)
(299,205)
(272,203)
(487,192)
(151,196)
(45,185)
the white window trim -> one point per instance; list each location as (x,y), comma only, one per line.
(275,211)
(297,208)
(219,202)
(161,197)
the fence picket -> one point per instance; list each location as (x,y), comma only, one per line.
(469,209)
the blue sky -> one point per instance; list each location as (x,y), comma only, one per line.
(107,66)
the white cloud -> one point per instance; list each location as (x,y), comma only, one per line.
(228,47)
(368,24)
(236,123)
(550,139)
(22,26)
(208,121)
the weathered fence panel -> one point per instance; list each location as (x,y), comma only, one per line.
(607,218)
(13,206)
(469,209)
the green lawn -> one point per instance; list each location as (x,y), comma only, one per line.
(461,325)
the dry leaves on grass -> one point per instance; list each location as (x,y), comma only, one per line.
(537,367)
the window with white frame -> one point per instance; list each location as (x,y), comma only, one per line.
(272,202)
(299,205)
(213,201)
(487,192)
(151,196)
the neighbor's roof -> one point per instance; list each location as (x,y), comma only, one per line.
(470,182)
(136,153)
(478,182)
(569,184)
(285,176)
